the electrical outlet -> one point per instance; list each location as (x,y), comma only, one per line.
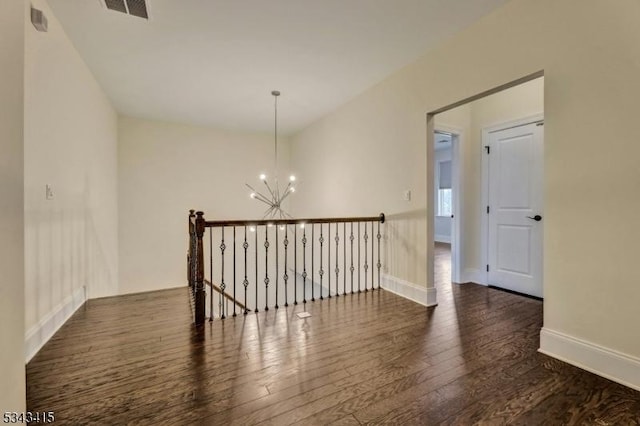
(406,195)
(48,192)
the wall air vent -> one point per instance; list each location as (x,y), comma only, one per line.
(130,7)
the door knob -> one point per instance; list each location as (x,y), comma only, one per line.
(537,218)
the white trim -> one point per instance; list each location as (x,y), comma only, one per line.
(510,124)
(484,219)
(473,275)
(605,362)
(442,238)
(39,334)
(426,296)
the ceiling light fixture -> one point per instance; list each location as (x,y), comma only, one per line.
(274,198)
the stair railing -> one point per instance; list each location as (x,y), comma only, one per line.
(263,264)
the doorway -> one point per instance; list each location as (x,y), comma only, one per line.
(474,117)
(446,200)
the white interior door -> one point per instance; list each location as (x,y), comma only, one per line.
(515,209)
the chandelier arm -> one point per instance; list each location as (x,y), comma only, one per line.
(258,196)
(263,197)
(269,211)
(264,200)
(269,188)
(286,190)
(286,193)
(284,197)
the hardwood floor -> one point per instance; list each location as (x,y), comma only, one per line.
(369,358)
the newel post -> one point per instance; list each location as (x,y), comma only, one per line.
(191,250)
(199,284)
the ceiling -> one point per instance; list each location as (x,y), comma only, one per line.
(215,62)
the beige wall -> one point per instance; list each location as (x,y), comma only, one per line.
(359,160)
(12,390)
(165,169)
(70,142)
(589,52)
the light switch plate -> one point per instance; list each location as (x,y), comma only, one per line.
(407,195)
(48,192)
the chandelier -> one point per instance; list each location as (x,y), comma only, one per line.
(274,198)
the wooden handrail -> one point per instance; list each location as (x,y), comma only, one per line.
(261,222)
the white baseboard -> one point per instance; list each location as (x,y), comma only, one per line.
(40,333)
(422,295)
(605,362)
(442,238)
(473,275)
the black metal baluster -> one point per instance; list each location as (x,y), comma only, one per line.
(222,284)
(337,270)
(379,264)
(286,271)
(321,272)
(313,239)
(245,283)
(344,258)
(277,276)
(295,264)
(234,271)
(256,251)
(329,259)
(211,272)
(358,257)
(351,268)
(373,285)
(266,268)
(366,266)
(304,265)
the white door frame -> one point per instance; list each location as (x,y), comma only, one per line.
(456,184)
(484,229)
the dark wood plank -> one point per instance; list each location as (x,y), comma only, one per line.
(368,358)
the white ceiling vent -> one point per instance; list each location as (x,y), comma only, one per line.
(130,7)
